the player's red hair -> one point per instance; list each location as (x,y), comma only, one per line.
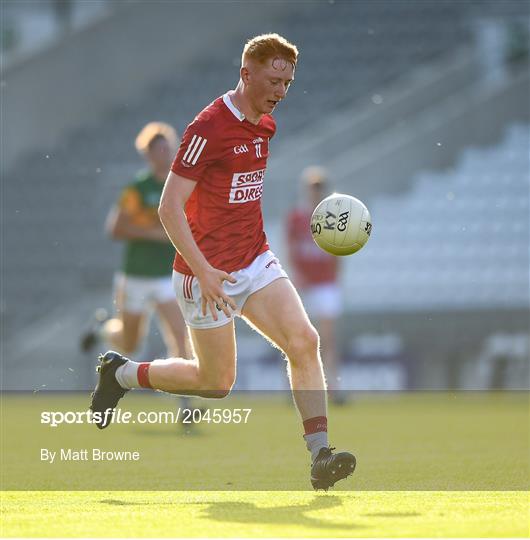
(261,48)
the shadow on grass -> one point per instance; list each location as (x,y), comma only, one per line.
(246,512)
(393,514)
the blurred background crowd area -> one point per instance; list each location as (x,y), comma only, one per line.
(420,108)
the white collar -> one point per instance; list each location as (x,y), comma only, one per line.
(233,109)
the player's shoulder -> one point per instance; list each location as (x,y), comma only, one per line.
(209,118)
(269,123)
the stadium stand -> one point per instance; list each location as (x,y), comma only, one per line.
(458,239)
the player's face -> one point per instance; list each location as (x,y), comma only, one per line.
(269,84)
(316,193)
(159,154)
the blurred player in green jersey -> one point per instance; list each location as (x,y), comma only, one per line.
(144,280)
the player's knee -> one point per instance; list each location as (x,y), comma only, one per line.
(129,338)
(218,393)
(219,387)
(129,345)
(303,342)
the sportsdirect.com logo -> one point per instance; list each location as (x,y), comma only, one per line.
(247,186)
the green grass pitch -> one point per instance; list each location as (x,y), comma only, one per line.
(429,465)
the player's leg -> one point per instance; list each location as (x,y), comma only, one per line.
(277,312)
(126,329)
(326,330)
(174,330)
(125,332)
(92,334)
(323,304)
(328,345)
(210,374)
(212,371)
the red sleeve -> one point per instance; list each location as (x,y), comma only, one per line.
(196,151)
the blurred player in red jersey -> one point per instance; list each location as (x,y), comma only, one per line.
(211,210)
(315,273)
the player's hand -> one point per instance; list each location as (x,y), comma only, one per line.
(213,295)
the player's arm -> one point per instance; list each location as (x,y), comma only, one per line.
(177,191)
(119,225)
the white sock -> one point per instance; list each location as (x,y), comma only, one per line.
(315,442)
(127,375)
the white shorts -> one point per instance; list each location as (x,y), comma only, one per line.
(263,270)
(322,301)
(136,294)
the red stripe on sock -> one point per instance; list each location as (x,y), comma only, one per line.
(316,425)
(143,375)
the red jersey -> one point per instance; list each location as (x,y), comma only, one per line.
(227,156)
(312,265)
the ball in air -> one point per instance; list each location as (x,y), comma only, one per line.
(341,224)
